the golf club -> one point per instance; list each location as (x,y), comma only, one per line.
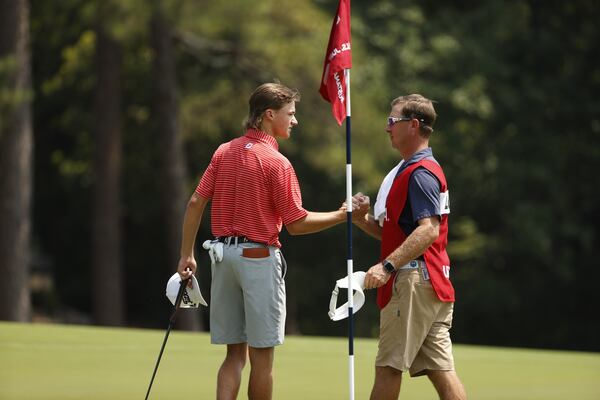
(171,324)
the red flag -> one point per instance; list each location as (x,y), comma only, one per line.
(337,58)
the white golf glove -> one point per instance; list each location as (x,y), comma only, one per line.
(215,250)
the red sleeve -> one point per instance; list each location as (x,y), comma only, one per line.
(287,196)
(206,186)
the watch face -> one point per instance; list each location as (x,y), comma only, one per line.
(388,267)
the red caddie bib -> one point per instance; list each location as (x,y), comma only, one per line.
(436,258)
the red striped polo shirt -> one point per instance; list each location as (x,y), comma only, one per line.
(253,189)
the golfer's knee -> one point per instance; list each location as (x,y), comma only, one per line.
(262,358)
(237,354)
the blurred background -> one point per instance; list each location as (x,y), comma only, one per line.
(110,111)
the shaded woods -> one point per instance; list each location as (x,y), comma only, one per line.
(110,112)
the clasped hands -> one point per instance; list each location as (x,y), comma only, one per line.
(360,206)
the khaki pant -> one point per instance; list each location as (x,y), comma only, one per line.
(414,327)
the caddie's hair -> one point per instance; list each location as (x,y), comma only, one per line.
(419,107)
(268,96)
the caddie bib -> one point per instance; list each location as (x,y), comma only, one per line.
(436,257)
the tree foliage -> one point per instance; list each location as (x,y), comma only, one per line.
(517,133)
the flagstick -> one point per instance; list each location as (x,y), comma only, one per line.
(349,229)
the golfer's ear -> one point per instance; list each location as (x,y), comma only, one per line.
(269,114)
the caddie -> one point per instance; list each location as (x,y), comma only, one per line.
(414,291)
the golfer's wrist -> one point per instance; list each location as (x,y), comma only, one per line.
(186,256)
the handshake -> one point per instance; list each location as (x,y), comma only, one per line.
(360,206)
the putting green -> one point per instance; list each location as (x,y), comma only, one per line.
(61,362)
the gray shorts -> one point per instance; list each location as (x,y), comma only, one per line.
(248,296)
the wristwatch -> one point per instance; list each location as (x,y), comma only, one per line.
(388,266)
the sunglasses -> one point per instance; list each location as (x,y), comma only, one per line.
(392,120)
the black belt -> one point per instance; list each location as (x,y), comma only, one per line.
(234,239)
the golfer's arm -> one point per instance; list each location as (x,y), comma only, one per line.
(370,226)
(316,222)
(191,222)
(417,242)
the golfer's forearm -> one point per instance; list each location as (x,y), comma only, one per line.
(370,226)
(191,223)
(316,222)
(414,246)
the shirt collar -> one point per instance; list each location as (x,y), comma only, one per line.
(418,156)
(262,137)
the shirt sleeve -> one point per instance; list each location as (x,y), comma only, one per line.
(424,193)
(287,196)
(206,186)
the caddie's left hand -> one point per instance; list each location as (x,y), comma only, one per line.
(376,277)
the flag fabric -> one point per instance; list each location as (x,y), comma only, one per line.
(337,59)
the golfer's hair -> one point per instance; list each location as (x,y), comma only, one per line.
(419,107)
(268,96)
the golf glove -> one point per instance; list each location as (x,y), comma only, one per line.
(215,250)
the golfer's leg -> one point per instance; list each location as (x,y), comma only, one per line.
(230,373)
(387,383)
(447,384)
(260,386)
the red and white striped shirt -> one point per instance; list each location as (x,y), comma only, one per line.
(253,188)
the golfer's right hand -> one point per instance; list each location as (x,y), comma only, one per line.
(186,267)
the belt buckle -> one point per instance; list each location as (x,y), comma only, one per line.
(413,264)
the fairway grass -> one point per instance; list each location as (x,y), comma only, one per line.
(40,361)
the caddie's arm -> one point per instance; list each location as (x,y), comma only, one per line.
(416,243)
(367,223)
(191,222)
(370,226)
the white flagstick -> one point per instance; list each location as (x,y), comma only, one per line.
(349,228)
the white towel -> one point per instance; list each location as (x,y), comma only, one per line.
(379,210)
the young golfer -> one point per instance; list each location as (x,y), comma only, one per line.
(254,192)
(414,293)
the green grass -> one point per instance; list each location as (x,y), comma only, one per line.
(73,362)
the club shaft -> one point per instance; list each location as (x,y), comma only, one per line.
(158,360)
(171,324)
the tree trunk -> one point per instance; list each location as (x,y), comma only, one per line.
(16,148)
(107,285)
(172,157)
